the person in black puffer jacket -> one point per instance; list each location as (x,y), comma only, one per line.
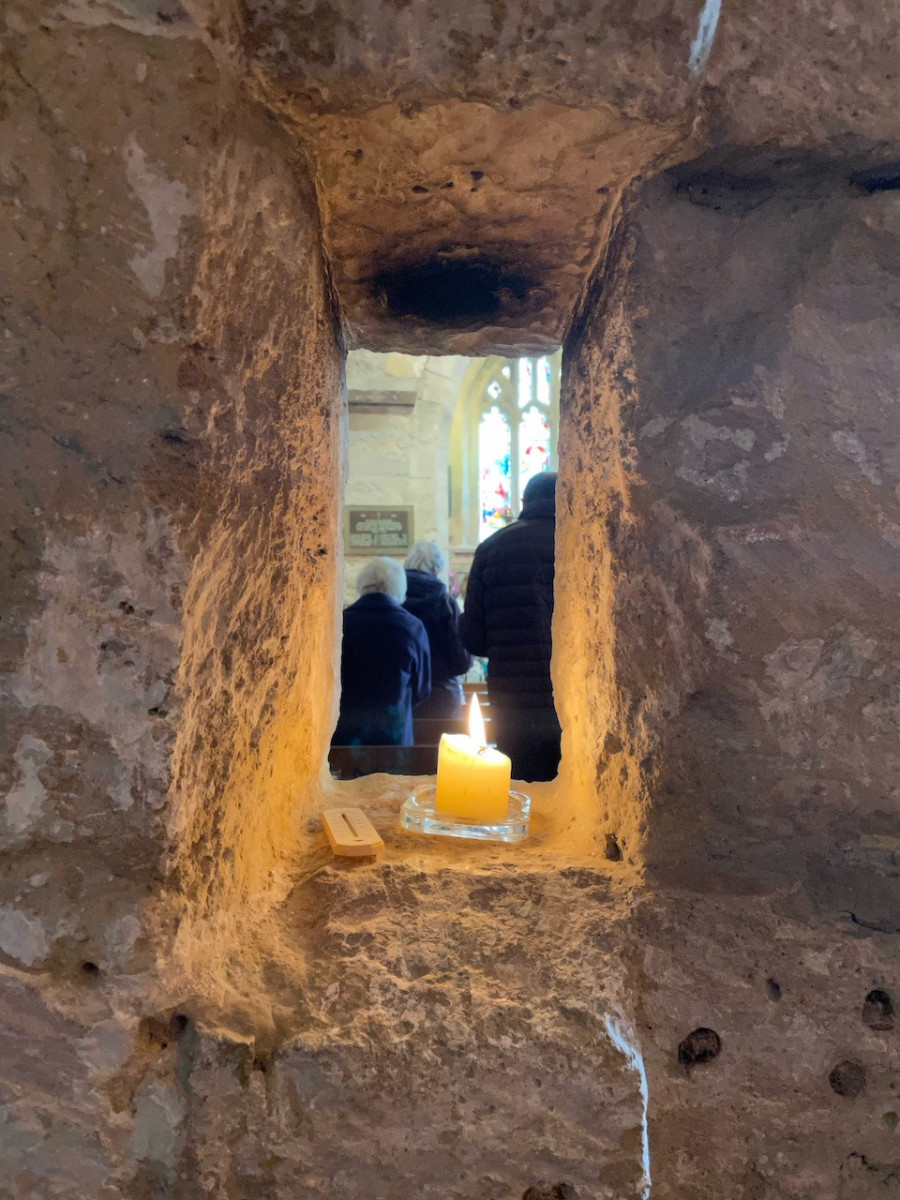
(428,599)
(507,619)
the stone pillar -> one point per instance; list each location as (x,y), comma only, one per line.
(170,379)
(731,474)
(259,644)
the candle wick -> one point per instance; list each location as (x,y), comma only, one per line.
(481,750)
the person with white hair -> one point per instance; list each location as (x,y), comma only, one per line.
(385,661)
(428,599)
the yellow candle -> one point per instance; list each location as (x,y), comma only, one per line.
(472,778)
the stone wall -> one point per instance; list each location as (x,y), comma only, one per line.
(401,457)
(170,396)
(257,662)
(732,428)
(102,221)
(731,479)
(688,972)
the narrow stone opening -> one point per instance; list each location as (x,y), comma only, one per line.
(441,452)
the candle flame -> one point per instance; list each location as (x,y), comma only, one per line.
(476,723)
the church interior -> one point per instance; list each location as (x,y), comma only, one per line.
(271,267)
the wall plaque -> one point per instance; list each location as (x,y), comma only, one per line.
(378,530)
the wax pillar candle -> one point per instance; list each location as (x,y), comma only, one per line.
(472,778)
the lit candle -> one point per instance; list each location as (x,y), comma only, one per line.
(472,778)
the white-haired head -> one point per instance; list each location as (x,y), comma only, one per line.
(426,556)
(383,575)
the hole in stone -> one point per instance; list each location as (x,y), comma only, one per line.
(90,971)
(848,1078)
(878,1010)
(726,194)
(773,987)
(179,1024)
(450,293)
(612,851)
(890,1119)
(547,1191)
(476,175)
(158,1032)
(418,190)
(700,1046)
(175,437)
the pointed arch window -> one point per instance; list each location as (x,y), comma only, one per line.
(504,431)
(517,426)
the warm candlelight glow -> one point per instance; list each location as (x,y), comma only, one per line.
(472,778)
(476,723)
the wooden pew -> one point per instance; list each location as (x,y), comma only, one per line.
(427,730)
(350,762)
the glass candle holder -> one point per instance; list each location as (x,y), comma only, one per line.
(419,814)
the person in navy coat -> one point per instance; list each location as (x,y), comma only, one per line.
(385,661)
(428,599)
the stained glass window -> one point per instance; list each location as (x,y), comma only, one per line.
(534,445)
(526,381)
(543,380)
(494,453)
(515,437)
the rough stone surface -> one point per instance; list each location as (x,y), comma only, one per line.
(397,457)
(428,1036)
(100,224)
(730,491)
(504,133)
(196,1001)
(258,641)
(747,483)
(758,72)
(762,1120)
(508,210)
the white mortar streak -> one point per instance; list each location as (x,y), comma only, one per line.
(166,203)
(702,44)
(623,1038)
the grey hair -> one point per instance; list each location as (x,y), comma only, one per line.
(382,575)
(426,556)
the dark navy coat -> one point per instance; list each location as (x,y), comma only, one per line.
(385,670)
(428,599)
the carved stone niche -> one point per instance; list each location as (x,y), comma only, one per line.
(467,169)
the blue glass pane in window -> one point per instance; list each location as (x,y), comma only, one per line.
(494,449)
